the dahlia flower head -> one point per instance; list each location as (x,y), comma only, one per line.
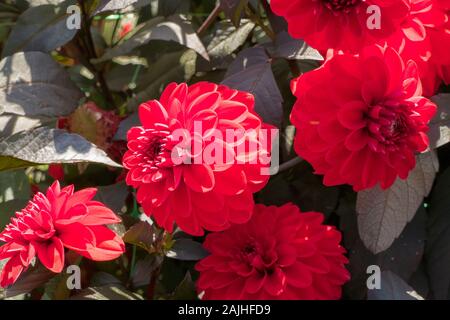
(440,42)
(186,168)
(346,25)
(280,253)
(361,119)
(49,223)
(413,40)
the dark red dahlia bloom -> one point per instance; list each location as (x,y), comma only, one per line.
(279,254)
(340,24)
(185,166)
(413,40)
(54,221)
(440,42)
(361,119)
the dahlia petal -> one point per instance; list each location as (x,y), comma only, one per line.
(317,264)
(75,213)
(275,282)
(214,220)
(151,113)
(181,202)
(76,236)
(108,245)
(200,178)
(414,30)
(286,255)
(190,225)
(230,182)
(166,94)
(351,115)
(255,282)
(412,85)
(11,271)
(28,254)
(206,121)
(51,254)
(99,215)
(81,196)
(299,275)
(205,102)
(357,140)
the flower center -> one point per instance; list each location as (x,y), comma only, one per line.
(155,146)
(388,126)
(256,257)
(341,5)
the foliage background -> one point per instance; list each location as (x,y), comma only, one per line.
(125,52)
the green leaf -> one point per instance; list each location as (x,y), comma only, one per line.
(40,28)
(9,208)
(393,288)
(382,214)
(45,146)
(113,196)
(185,290)
(56,288)
(187,249)
(144,268)
(112,5)
(169,7)
(403,257)
(140,234)
(14,185)
(125,125)
(31,279)
(251,71)
(227,39)
(100,279)
(233,9)
(175,66)
(110,292)
(175,29)
(34,86)
(293,49)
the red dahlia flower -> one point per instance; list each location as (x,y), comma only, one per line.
(340,24)
(50,222)
(412,40)
(279,254)
(176,180)
(440,42)
(361,119)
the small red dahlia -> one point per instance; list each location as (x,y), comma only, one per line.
(361,119)
(186,166)
(54,221)
(279,254)
(347,25)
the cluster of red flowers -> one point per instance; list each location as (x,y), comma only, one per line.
(257,252)
(383,57)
